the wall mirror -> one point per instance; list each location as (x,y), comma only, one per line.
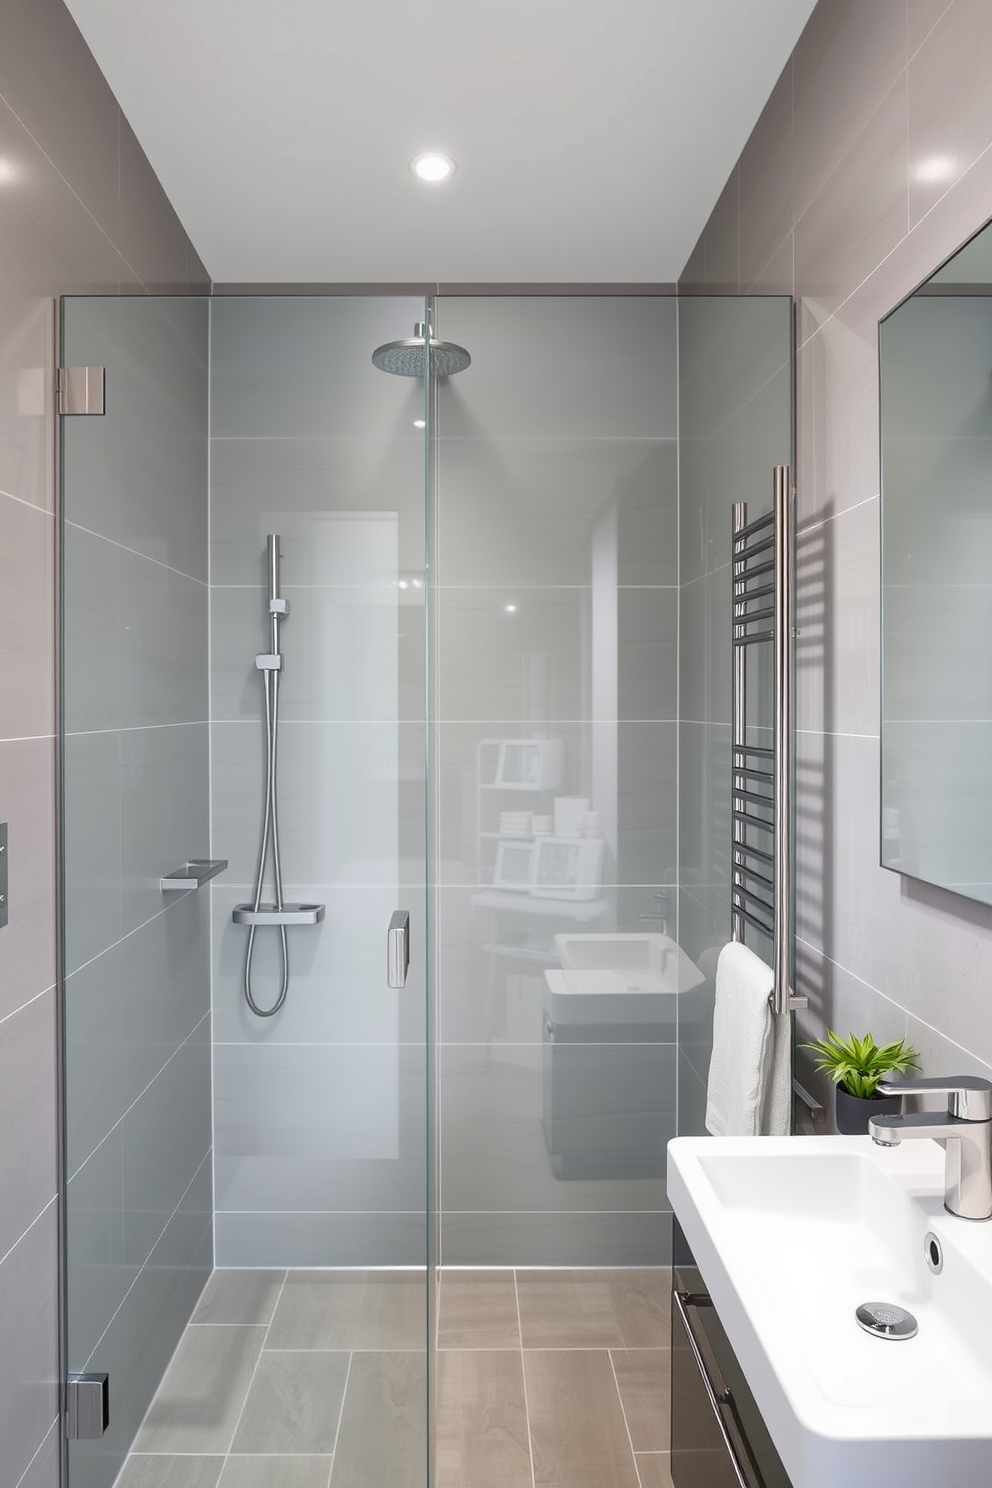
(935,360)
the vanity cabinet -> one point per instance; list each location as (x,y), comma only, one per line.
(718,1437)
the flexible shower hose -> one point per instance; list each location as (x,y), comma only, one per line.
(270,836)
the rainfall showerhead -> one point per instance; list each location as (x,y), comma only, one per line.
(406,358)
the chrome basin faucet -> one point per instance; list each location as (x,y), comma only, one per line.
(965,1127)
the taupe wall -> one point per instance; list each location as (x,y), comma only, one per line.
(864,171)
(80,212)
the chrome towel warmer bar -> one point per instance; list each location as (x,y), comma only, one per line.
(761,774)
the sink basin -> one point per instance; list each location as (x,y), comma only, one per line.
(620,979)
(645,963)
(790,1235)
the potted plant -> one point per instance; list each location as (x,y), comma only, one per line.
(856,1065)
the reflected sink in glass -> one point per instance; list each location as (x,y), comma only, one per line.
(790,1235)
(619,979)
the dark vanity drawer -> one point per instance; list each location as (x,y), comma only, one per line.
(718,1437)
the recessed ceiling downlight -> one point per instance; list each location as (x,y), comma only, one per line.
(432,167)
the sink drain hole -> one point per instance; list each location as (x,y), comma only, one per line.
(933,1252)
(886,1320)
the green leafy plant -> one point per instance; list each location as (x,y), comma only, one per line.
(857,1064)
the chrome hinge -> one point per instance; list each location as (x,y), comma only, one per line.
(80,390)
(87,1406)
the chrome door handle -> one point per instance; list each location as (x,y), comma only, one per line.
(398,949)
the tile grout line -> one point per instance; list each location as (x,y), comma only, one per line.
(37,1453)
(623,1412)
(337,1429)
(523,1376)
(254,1371)
(136,553)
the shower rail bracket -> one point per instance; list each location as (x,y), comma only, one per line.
(192,875)
(268,914)
(279,607)
(269,663)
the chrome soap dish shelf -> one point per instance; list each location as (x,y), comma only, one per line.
(268,914)
(192,875)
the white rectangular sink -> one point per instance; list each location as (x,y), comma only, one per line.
(791,1234)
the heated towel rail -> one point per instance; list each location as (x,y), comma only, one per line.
(762,773)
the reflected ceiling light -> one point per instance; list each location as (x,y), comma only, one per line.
(935,168)
(420,423)
(8,172)
(402,584)
(510,609)
(418,583)
(432,167)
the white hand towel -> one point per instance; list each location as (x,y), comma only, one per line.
(750,1081)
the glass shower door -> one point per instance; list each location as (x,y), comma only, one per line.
(247,1220)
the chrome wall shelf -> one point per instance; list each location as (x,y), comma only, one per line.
(192,875)
(267,914)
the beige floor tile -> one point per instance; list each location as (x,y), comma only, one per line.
(239,1297)
(294,1403)
(577,1430)
(477,1309)
(276,1472)
(199,1401)
(481,1420)
(383,1437)
(644,1377)
(164,1471)
(654,1469)
(595,1309)
(351,1310)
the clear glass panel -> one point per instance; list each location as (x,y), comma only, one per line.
(557,634)
(735,426)
(280,1160)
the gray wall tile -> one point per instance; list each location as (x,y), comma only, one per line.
(165,1136)
(324,484)
(274,374)
(164,813)
(27,1101)
(96,1278)
(27,946)
(522,510)
(556,1239)
(599,365)
(27,572)
(28,1376)
(344,775)
(320,1239)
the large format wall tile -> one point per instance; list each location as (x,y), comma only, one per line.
(27,572)
(28,1376)
(522,510)
(27,945)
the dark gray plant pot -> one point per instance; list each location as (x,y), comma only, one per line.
(853,1112)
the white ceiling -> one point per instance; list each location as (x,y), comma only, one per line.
(592,138)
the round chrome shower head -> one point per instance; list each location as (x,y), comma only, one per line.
(406,358)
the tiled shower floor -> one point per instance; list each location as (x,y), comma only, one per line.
(316,1379)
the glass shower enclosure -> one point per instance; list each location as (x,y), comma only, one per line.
(498,648)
